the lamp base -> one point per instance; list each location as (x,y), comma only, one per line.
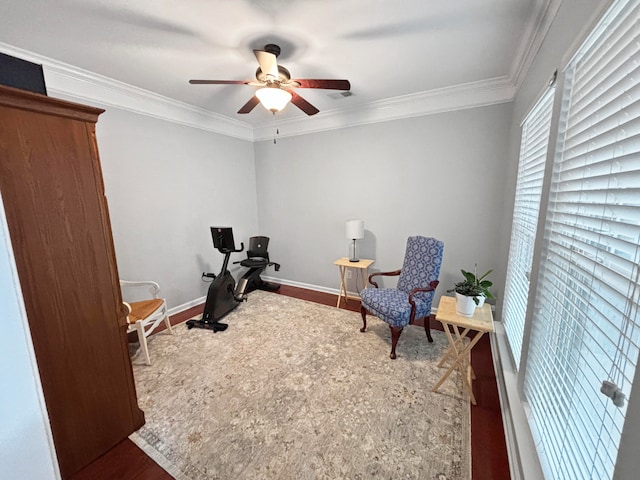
(353,252)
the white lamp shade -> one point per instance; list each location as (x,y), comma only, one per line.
(355,229)
(273,99)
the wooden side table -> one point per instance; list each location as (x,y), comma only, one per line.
(361,266)
(458,353)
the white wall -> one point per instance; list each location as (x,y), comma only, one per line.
(438,175)
(166,184)
(26,449)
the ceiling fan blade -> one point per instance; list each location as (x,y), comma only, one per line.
(268,63)
(327,84)
(219,82)
(250,105)
(302,104)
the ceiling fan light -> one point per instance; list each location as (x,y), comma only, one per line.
(273,99)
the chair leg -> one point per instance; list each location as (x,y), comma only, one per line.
(427,327)
(142,338)
(167,322)
(395,335)
(363,312)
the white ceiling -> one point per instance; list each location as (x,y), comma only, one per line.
(386,49)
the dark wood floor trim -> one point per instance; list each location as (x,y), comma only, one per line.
(488,447)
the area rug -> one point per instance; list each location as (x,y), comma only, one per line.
(293,390)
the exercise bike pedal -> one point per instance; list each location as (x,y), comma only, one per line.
(215,326)
(208,275)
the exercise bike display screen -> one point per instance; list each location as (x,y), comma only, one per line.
(223,238)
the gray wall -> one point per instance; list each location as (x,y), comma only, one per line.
(166,184)
(438,175)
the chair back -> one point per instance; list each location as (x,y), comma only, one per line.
(258,247)
(422,260)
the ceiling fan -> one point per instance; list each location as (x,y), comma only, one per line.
(276,84)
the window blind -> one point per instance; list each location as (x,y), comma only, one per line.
(531,165)
(585,327)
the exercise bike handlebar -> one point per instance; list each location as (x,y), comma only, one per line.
(228,250)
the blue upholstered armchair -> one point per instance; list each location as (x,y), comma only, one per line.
(411,299)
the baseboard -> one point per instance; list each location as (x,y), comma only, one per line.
(308,286)
(186,306)
(282,281)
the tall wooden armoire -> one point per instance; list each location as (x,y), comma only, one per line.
(53,193)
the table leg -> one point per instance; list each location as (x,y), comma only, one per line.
(363,279)
(343,286)
(460,361)
(458,342)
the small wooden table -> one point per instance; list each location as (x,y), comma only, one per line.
(458,353)
(361,265)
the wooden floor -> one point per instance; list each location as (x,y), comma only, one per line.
(488,448)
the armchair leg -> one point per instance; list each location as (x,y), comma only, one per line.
(427,327)
(395,335)
(363,312)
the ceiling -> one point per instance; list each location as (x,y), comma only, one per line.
(386,49)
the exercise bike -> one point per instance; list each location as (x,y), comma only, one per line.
(221,297)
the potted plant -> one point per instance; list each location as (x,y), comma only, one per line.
(482,282)
(467,293)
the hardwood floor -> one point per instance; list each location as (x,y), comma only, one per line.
(488,448)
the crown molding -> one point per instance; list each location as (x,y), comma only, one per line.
(75,84)
(535,33)
(459,97)
(72,83)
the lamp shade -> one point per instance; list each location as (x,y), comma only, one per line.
(273,99)
(355,229)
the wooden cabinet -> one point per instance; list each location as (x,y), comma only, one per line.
(53,193)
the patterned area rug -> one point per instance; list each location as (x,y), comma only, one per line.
(293,390)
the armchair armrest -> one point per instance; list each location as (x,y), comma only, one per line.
(384,274)
(152,287)
(432,286)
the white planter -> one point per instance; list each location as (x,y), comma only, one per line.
(481,299)
(465,306)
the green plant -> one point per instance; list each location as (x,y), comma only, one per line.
(473,286)
(468,289)
(481,281)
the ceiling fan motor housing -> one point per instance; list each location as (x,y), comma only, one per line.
(283,76)
(272,48)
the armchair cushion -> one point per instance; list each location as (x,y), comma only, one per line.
(393,307)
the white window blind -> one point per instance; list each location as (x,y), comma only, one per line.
(533,155)
(585,327)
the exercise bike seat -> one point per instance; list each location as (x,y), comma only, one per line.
(257,261)
(254,262)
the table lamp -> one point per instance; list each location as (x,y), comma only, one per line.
(355,231)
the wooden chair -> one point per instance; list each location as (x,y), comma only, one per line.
(146,314)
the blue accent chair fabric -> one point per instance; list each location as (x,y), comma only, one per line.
(412,297)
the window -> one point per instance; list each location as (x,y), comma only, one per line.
(585,327)
(533,155)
